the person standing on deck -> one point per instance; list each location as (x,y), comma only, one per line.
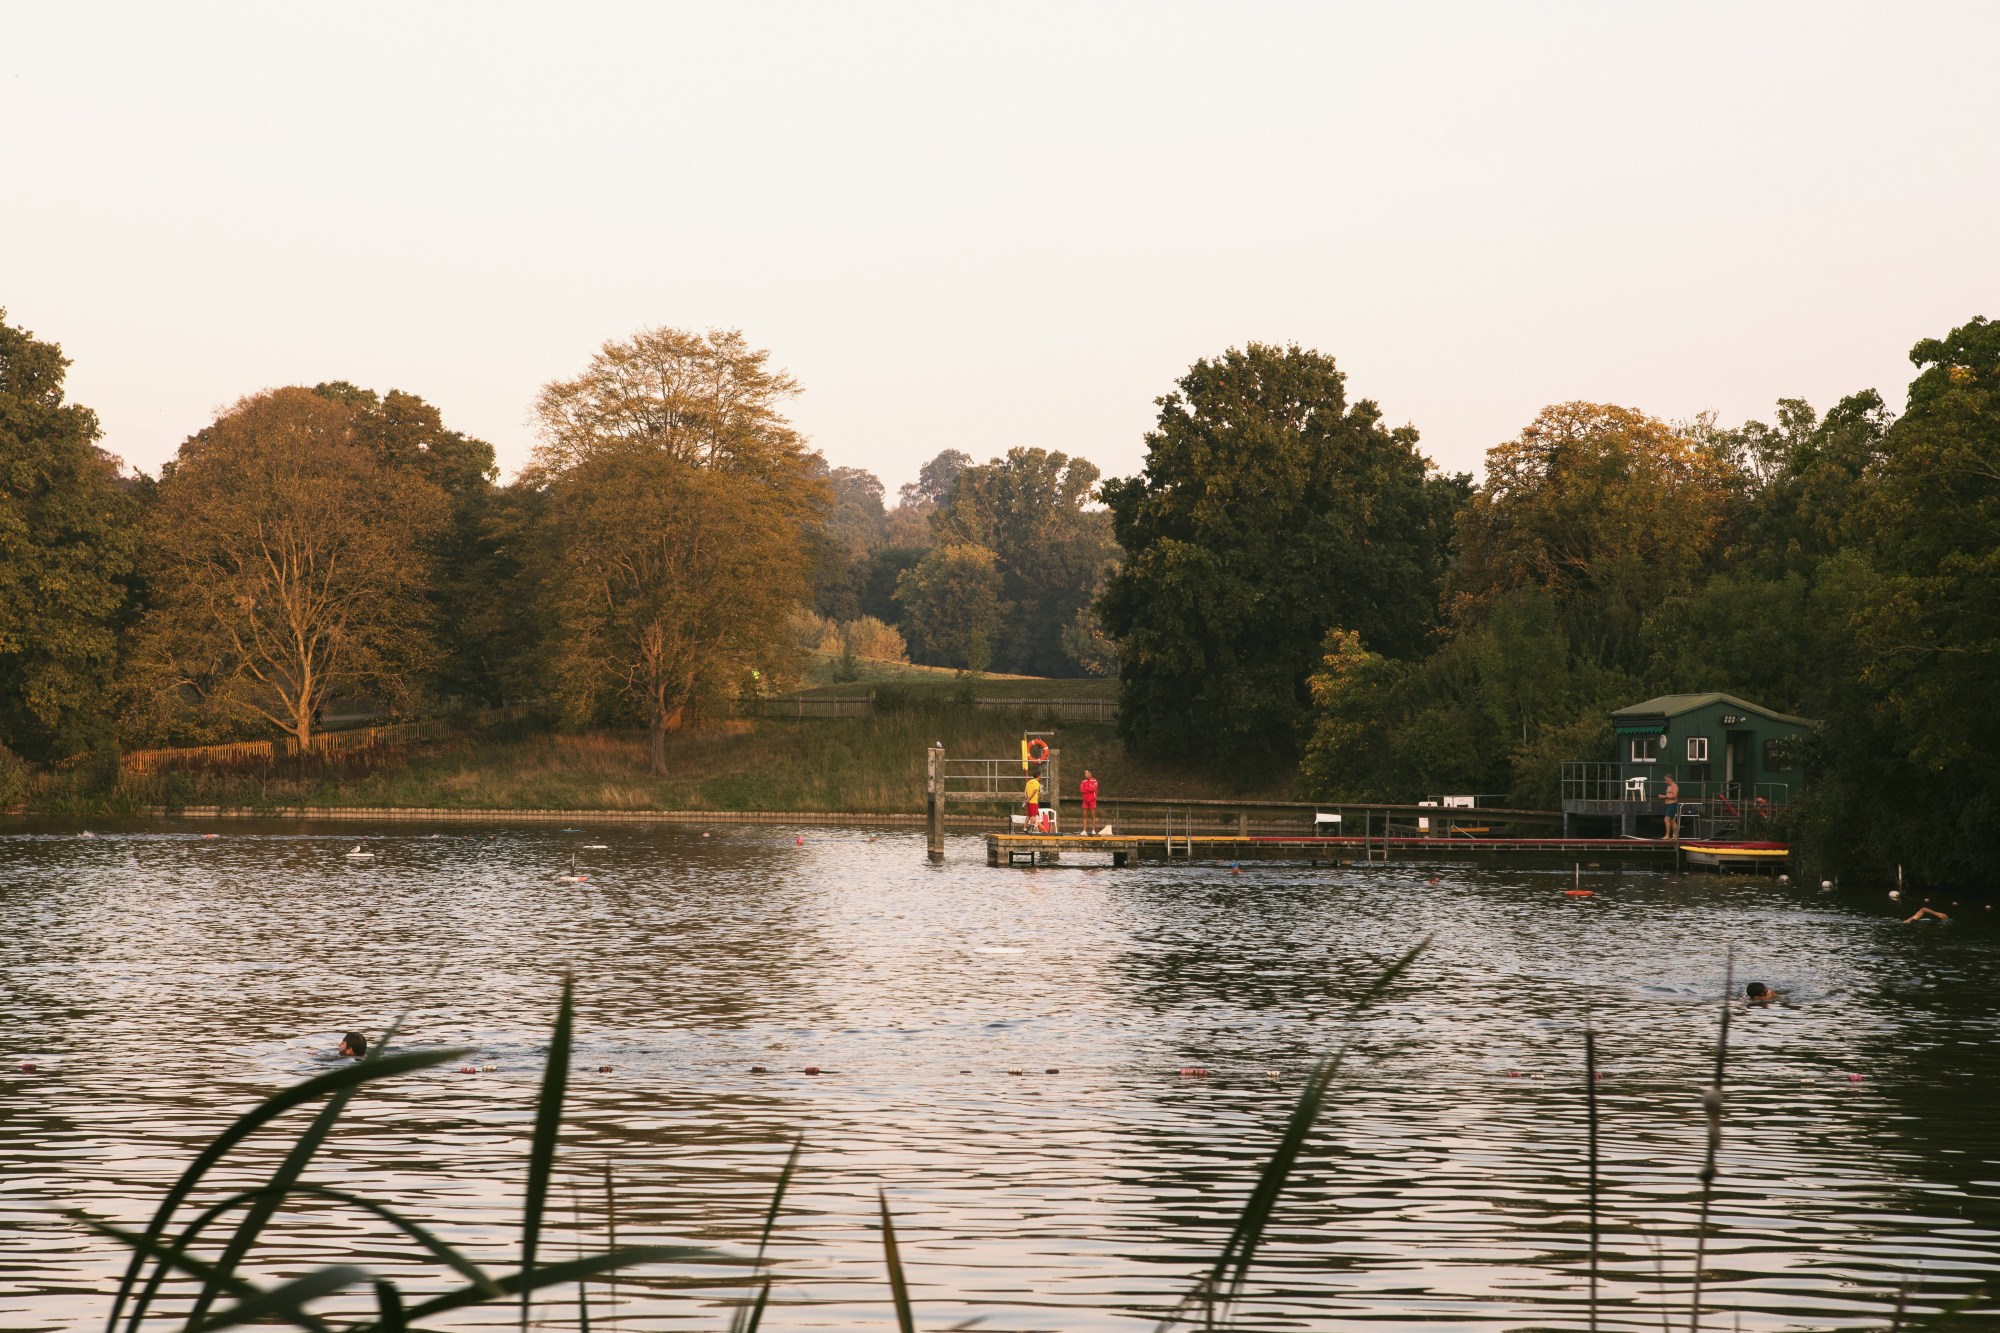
(1034,794)
(1672,796)
(1087,789)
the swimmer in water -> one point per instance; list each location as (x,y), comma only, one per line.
(354,1045)
(1925,913)
(1758,993)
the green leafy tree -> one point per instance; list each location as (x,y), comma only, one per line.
(951,606)
(1906,753)
(1270,511)
(855,525)
(67,538)
(1053,552)
(677,527)
(289,566)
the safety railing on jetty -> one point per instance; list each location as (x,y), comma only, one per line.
(1584,781)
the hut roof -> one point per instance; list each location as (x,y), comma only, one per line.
(1673,705)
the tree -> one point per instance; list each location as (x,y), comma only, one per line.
(1908,749)
(66,546)
(289,566)
(951,606)
(664,583)
(677,537)
(476,581)
(1270,511)
(708,400)
(1053,553)
(1605,508)
(846,539)
(934,480)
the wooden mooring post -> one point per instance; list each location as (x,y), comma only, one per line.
(934,805)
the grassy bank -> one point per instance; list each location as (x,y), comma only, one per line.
(848,765)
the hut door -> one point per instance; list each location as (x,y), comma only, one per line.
(1736,758)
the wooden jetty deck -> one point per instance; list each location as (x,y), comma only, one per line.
(1592,853)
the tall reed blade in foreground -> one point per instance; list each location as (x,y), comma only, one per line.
(1711,1105)
(172,1256)
(1223,1283)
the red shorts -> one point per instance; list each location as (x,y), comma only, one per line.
(1090,803)
(1033,810)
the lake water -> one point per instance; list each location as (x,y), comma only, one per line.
(163,981)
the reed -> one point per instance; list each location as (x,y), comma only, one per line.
(172,1248)
(1711,1105)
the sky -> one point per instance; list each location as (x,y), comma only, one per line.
(985,226)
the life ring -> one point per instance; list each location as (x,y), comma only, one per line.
(1763,808)
(1038,750)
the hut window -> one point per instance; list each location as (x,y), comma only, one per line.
(1697,749)
(1778,755)
(1645,749)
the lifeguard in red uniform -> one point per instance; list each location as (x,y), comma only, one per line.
(1087,789)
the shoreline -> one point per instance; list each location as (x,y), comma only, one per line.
(438,814)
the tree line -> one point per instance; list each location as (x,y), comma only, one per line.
(329,547)
(1299,584)
(1287,587)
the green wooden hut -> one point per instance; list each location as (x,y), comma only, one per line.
(1711,744)
(1733,763)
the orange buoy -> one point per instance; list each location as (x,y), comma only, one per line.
(1579,893)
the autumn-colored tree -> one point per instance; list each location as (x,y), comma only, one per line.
(66,543)
(1607,509)
(677,535)
(289,565)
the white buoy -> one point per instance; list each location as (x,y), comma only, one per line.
(1895,894)
(1826,884)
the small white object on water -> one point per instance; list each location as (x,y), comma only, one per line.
(358,855)
(1826,884)
(1784,879)
(86,834)
(1894,894)
(997,949)
(595,847)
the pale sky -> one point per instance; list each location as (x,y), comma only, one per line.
(996,225)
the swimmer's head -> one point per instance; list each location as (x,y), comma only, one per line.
(354,1044)
(1756,990)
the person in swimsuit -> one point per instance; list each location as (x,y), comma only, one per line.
(1672,796)
(1925,914)
(1758,993)
(354,1046)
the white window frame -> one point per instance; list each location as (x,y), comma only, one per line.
(1640,741)
(1697,749)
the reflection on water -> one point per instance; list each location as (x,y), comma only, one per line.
(162,981)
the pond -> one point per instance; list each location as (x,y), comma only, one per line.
(1163,1019)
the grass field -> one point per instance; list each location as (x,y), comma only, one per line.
(869,764)
(944,683)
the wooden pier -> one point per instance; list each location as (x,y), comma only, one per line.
(1591,853)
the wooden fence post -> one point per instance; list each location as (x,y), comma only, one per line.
(934,806)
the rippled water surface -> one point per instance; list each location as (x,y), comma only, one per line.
(162,982)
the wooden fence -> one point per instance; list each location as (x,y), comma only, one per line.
(323,745)
(808,707)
